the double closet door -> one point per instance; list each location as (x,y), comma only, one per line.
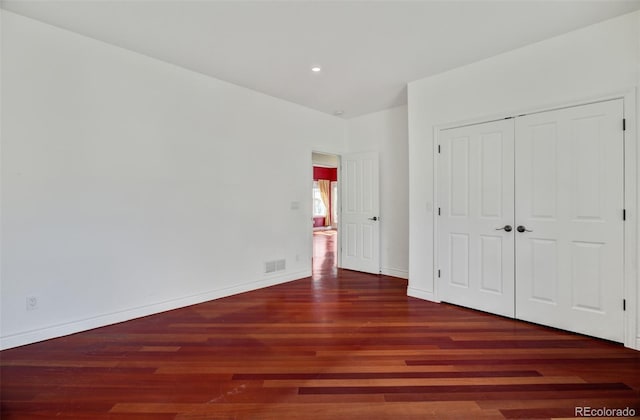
(531,218)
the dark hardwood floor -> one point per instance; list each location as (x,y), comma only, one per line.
(339,345)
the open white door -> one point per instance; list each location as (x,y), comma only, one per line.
(569,212)
(360,223)
(475,225)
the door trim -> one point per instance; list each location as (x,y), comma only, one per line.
(630,280)
(631,336)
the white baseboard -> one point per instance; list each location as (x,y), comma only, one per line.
(395,272)
(421,294)
(55,331)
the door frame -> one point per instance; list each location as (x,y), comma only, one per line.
(631,225)
(338,210)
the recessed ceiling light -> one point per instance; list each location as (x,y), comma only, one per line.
(338,112)
(316,69)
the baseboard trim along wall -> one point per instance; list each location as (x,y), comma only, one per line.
(55,331)
(421,294)
(395,272)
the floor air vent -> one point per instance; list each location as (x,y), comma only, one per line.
(274,266)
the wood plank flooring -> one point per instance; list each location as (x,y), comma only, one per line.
(338,345)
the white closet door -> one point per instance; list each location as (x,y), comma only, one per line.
(475,191)
(569,197)
(360,224)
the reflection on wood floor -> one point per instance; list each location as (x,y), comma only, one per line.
(338,345)
(324,253)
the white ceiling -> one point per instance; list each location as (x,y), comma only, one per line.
(368,50)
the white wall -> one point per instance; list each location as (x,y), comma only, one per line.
(321,159)
(131,186)
(1,134)
(386,133)
(593,62)
(637,137)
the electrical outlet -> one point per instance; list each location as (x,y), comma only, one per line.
(32,303)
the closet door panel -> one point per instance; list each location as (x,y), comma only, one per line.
(476,260)
(569,198)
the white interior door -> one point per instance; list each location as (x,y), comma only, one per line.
(360,223)
(569,197)
(476,199)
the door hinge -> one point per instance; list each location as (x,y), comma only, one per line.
(624,214)
(438,211)
(438,273)
(624,303)
(624,124)
(438,148)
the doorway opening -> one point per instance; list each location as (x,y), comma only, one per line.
(325,204)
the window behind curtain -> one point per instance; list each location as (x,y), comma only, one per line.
(318,206)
